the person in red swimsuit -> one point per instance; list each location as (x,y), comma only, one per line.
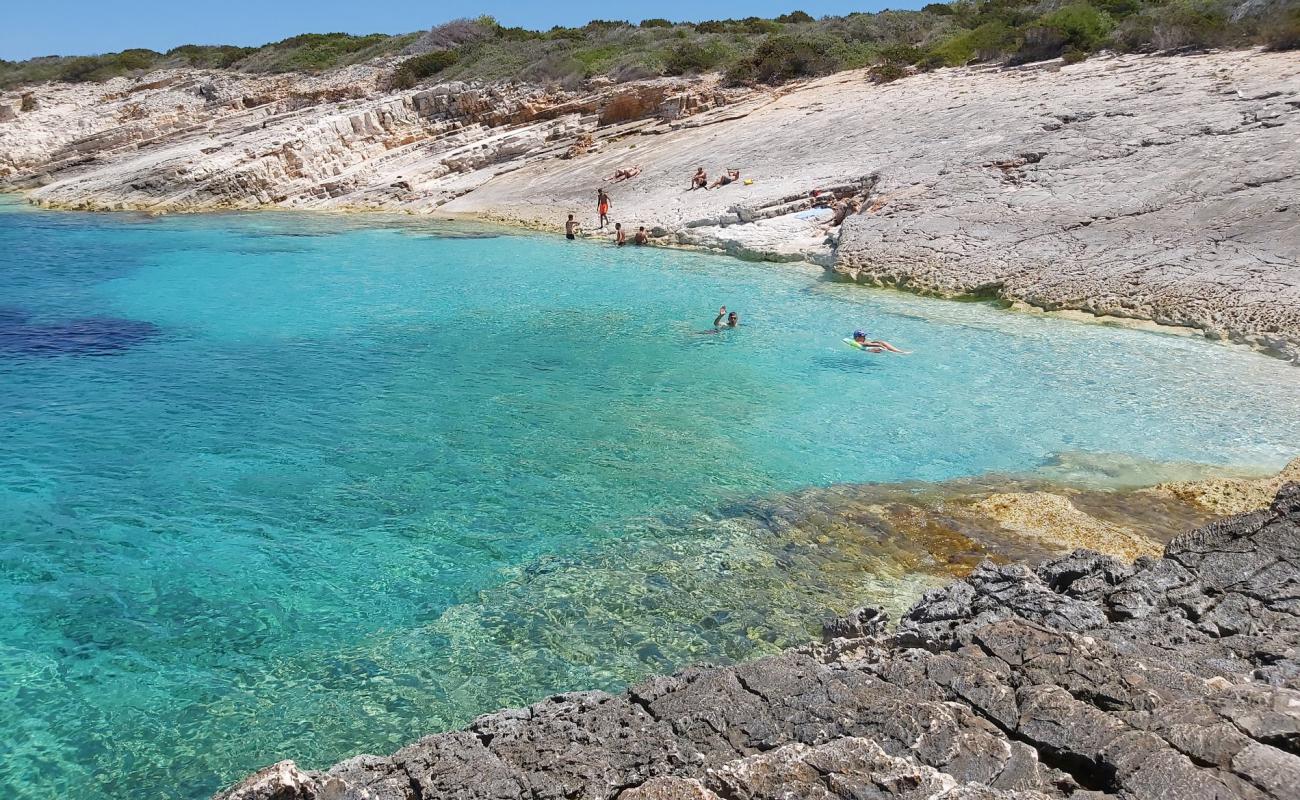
(602,206)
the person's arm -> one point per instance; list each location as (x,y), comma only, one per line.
(722,312)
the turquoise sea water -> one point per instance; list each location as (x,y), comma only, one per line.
(264,478)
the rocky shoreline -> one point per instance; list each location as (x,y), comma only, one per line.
(1085,677)
(1144,187)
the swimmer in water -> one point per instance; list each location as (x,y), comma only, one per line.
(732,319)
(874,345)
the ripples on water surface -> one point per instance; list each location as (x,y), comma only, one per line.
(276,485)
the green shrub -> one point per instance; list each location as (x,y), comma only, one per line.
(1134,34)
(902,54)
(1185,24)
(572,34)
(1039,43)
(955,51)
(991,40)
(109,65)
(415,69)
(1081,26)
(1284,33)
(690,58)
(758,27)
(594,60)
(988,41)
(1073,56)
(782,58)
(887,72)
(210,57)
(713,26)
(1119,9)
(749,49)
(518,34)
(315,52)
(794,18)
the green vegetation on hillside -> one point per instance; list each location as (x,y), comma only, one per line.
(790,46)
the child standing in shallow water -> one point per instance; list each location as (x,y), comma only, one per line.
(620,238)
(602,206)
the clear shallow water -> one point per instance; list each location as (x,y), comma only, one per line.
(265,478)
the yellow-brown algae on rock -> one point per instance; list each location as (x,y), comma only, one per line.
(1053,519)
(1228,495)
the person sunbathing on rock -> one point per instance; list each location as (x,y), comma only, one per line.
(622,174)
(731,176)
(874,345)
(843,210)
(700,179)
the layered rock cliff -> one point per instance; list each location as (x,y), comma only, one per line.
(1155,187)
(1087,677)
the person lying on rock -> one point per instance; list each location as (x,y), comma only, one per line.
(571,228)
(700,180)
(874,345)
(730,176)
(641,236)
(622,174)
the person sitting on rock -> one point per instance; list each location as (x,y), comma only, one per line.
(700,180)
(843,209)
(622,174)
(730,176)
(571,228)
(641,236)
(874,345)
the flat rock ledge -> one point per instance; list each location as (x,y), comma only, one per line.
(1172,677)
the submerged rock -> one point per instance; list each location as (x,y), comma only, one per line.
(1086,677)
(90,336)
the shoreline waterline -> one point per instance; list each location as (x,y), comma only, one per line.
(517,224)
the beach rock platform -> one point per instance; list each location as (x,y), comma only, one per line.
(1086,677)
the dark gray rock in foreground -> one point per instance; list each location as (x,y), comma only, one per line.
(1176,677)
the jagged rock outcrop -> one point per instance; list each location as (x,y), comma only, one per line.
(187,140)
(1087,677)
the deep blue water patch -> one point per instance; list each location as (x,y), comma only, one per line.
(88,336)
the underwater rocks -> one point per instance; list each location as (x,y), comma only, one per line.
(89,336)
(1085,677)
